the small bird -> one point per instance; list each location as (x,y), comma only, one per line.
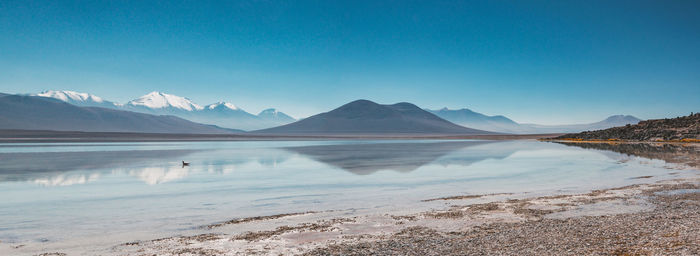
(185,164)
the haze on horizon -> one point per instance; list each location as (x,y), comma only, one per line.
(557,62)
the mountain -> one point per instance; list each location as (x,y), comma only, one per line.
(612,121)
(275,116)
(42,113)
(78,99)
(226,115)
(222,106)
(163,103)
(367,117)
(469,118)
(222,114)
(685,128)
(224,110)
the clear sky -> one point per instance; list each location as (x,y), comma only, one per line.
(549,62)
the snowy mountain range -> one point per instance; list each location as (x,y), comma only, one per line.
(23,112)
(228,115)
(222,114)
(78,99)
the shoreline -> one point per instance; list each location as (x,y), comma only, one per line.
(472,219)
(613,141)
(617,219)
(36,136)
(607,221)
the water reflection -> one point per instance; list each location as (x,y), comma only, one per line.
(37,162)
(51,168)
(161,166)
(157,175)
(66,180)
(154,167)
(688,154)
(128,188)
(364,159)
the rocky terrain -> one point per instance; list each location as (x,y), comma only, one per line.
(645,219)
(684,129)
(669,229)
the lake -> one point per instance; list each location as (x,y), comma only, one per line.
(55,192)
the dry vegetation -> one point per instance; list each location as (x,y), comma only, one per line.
(680,129)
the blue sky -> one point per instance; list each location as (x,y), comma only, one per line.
(549,62)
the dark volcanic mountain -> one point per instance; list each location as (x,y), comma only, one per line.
(685,128)
(367,117)
(41,113)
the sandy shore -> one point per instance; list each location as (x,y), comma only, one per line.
(659,218)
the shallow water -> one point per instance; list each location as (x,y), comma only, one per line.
(55,192)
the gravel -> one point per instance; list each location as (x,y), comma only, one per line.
(672,228)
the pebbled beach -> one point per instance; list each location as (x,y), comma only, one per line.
(659,218)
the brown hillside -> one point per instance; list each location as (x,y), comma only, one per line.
(685,128)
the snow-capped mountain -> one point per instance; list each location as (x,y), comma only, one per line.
(223,109)
(229,115)
(78,98)
(224,114)
(163,101)
(221,105)
(24,112)
(272,114)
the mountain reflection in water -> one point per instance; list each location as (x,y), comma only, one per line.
(359,158)
(160,166)
(51,168)
(94,189)
(688,154)
(364,159)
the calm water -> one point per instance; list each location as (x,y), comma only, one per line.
(52,192)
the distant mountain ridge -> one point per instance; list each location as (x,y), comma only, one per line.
(228,115)
(79,99)
(222,113)
(367,117)
(272,114)
(611,121)
(469,118)
(41,113)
